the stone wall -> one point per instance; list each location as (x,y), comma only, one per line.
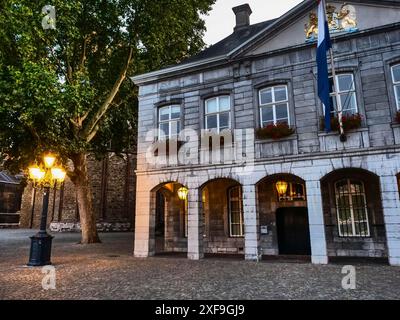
(113,187)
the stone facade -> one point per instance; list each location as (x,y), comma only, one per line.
(113,186)
(11,190)
(315,159)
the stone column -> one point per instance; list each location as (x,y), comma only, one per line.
(319,253)
(251,245)
(144,223)
(391,212)
(195,226)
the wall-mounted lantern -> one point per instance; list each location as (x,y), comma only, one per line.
(281,187)
(183,193)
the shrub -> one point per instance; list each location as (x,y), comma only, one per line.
(274,131)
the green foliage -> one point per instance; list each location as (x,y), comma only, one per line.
(56,83)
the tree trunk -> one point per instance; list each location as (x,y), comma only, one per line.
(84,198)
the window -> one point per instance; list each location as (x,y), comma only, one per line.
(351,209)
(347,94)
(236,227)
(396,84)
(294,192)
(169,122)
(218,113)
(274,105)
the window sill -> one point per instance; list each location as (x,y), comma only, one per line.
(395,125)
(334,133)
(353,238)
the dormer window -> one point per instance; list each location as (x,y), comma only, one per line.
(218,113)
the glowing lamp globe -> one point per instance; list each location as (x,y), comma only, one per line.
(58,174)
(49,160)
(35,173)
(182,193)
(281,187)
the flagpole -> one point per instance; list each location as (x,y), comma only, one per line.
(343,137)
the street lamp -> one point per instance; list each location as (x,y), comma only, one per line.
(44,176)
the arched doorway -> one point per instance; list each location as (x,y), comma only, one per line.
(170,218)
(283,216)
(222,209)
(353,214)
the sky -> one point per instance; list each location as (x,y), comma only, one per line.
(221,20)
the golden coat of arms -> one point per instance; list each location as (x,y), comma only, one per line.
(339,20)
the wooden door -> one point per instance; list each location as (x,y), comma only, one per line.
(293,231)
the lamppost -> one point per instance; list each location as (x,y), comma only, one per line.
(45,176)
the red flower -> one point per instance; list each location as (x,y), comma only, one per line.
(350,122)
(274,131)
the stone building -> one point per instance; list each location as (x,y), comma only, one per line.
(284,186)
(11,190)
(113,187)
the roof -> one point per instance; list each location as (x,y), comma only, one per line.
(231,42)
(8,179)
(241,40)
(222,50)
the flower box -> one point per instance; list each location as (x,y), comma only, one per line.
(274,131)
(350,122)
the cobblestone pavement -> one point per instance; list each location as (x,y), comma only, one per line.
(109,271)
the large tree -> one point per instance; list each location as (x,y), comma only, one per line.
(64,87)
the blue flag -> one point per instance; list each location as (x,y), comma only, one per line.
(324,44)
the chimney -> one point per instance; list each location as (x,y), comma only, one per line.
(242,13)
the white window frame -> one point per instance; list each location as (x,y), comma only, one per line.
(395,85)
(241,217)
(273,103)
(351,208)
(353,91)
(218,112)
(168,135)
